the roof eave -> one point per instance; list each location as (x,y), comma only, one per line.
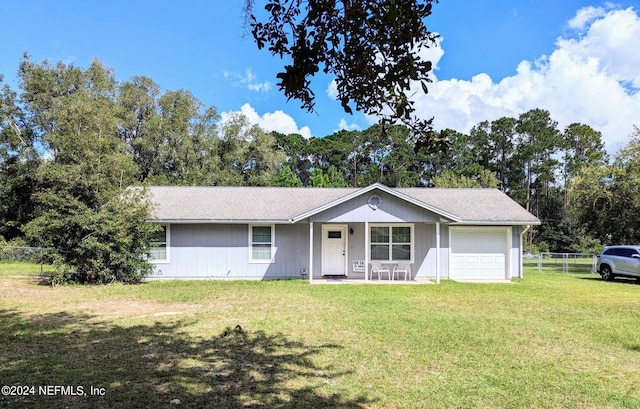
(495,223)
(218,221)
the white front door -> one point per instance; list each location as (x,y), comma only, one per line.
(334,250)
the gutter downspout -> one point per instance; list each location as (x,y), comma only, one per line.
(521,272)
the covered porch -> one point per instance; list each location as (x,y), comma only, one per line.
(380,227)
(377,252)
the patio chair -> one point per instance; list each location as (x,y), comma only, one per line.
(377,268)
(402,267)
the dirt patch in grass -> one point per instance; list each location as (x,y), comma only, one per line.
(34,299)
(18,289)
(114,309)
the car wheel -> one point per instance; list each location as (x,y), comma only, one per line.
(605,273)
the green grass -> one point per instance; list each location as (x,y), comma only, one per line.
(12,269)
(549,341)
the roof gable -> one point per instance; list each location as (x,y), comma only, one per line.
(372,188)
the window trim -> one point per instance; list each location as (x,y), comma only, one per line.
(167,258)
(273,244)
(390,244)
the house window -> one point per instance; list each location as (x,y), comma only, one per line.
(261,243)
(160,245)
(392,242)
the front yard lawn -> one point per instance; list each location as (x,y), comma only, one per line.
(549,341)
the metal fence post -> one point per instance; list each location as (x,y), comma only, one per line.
(540,263)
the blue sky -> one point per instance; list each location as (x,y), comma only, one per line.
(578,59)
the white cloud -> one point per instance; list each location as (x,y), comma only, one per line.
(332,89)
(585,16)
(344,126)
(431,53)
(592,78)
(260,87)
(271,121)
(248,79)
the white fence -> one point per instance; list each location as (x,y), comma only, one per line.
(562,262)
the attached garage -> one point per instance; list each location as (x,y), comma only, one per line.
(479,253)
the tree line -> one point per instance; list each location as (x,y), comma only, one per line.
(73,140)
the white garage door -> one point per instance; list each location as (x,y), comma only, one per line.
(479,253)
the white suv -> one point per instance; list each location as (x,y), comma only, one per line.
(619,261)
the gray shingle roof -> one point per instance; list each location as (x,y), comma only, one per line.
(274,204)
(238,203)
(479,205)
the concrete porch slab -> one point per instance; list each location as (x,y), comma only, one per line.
(361,281)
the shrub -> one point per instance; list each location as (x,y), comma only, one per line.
(104,245)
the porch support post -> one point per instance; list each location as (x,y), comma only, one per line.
(310,252)
(366,252)
(438,252)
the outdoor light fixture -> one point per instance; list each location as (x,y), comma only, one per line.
(351,231)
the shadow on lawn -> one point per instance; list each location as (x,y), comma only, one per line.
(618,280)
(157,365)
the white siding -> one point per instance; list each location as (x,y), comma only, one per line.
(425,265)
(220,251)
